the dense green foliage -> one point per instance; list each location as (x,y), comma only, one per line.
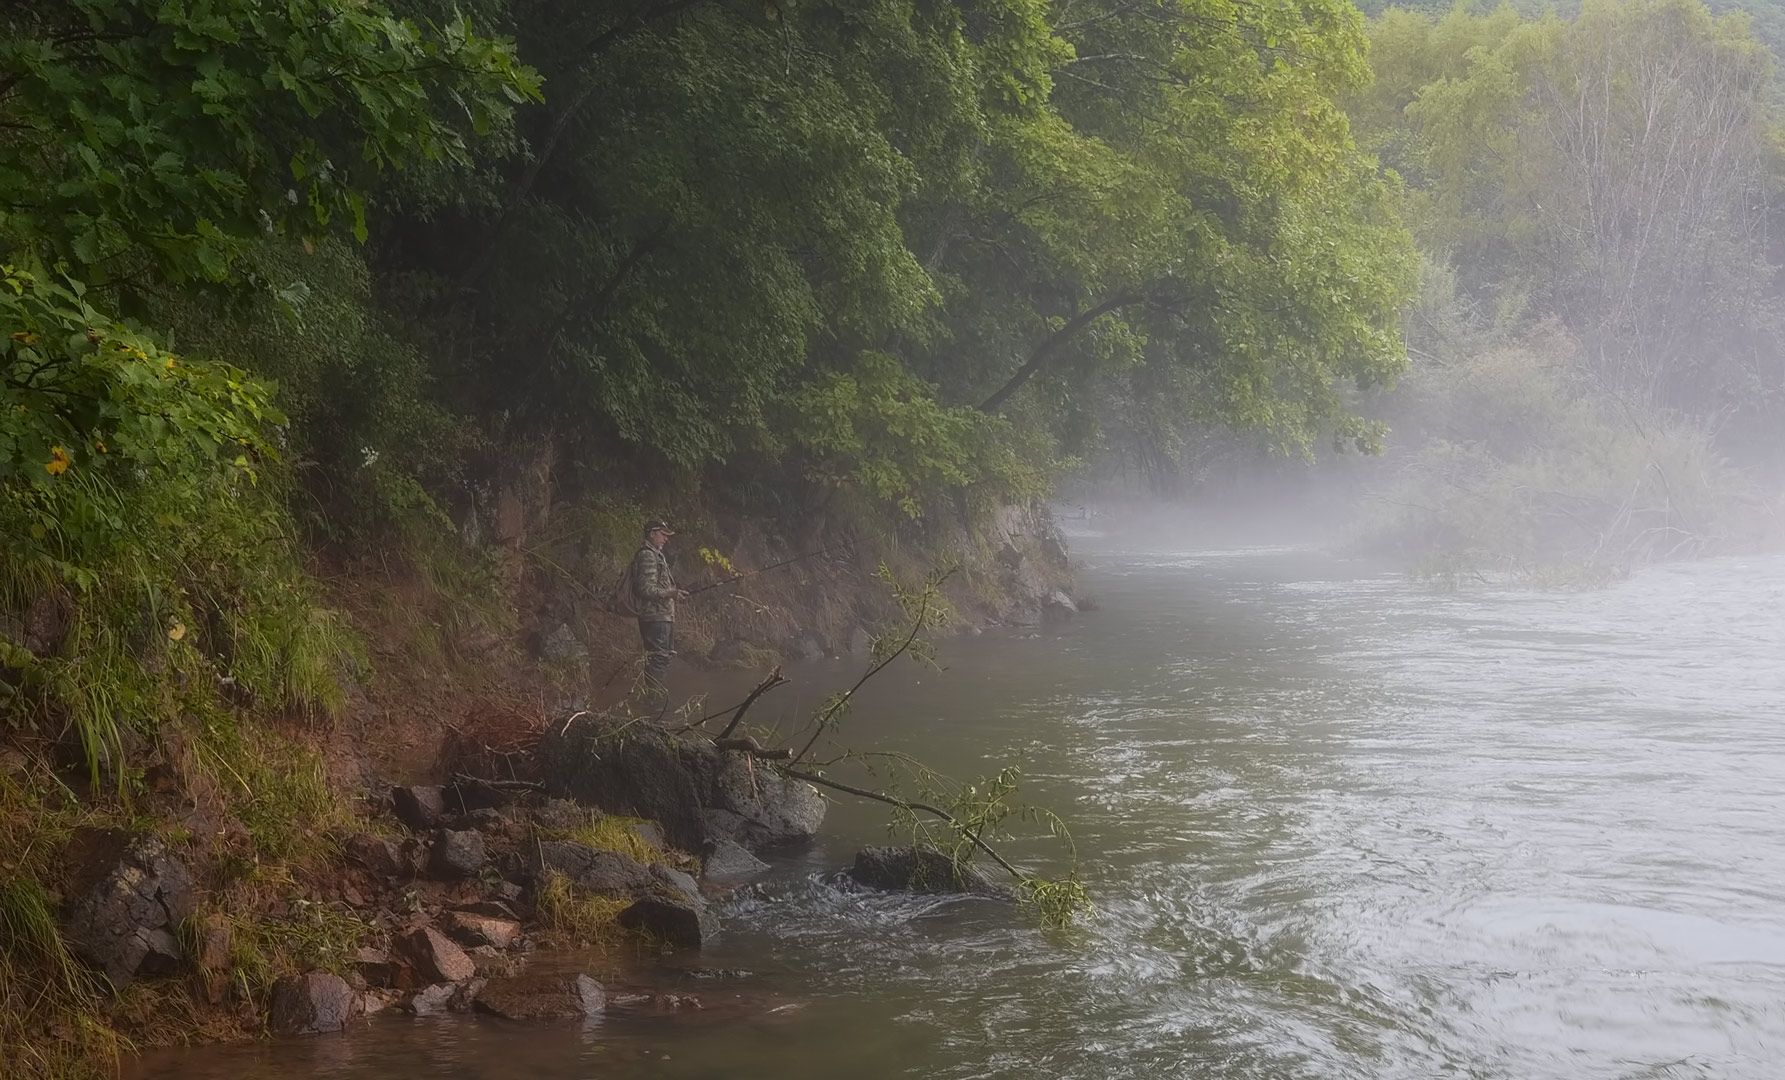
(911,253)
(151,149)
(841,240)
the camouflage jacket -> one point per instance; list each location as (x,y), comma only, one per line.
(653,590)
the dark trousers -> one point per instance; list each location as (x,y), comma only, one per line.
(660,644)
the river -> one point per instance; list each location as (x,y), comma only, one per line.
(1335,824)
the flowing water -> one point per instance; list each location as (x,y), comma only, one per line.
(1335,826)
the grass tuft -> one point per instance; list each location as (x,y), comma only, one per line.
(583,920)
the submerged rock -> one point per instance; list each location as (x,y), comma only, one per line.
(677,921)
(311,1004)
(543,997)
(123,922)
(692,788)
(432,1000)
(921,870)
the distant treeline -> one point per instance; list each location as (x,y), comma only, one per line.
(1598,342)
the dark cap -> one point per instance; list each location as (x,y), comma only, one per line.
(654,524)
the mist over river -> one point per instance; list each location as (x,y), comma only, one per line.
(1336,825)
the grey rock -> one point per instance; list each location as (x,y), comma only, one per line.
(543,997)
(606,872)
(807,647)
(670,882)
(421,808)
(435,957)
(673,921)
(1058,604)
(861,641)
(457,854)
(728,863)
(311,1004)
(920,870)
(122,923)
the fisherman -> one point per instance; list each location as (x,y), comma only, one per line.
(655,594)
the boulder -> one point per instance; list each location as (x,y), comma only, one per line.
(136,894)
(689,786)
(472,930)
(457,854)
(727,863)
(543,997)
(920,870)
(676,921)
(1058,605)
(435,957)
(311,1004)
(807,647)
(421,807)
(861,641)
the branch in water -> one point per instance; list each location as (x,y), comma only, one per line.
(909,806)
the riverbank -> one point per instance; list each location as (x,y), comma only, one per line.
(1337,824)
(264,871)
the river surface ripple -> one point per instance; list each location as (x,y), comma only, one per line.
(1336,826)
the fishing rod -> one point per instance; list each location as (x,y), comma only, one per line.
(735,578)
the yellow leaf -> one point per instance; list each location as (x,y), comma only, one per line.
(177,631)
(59,461)
(170,363)
(25,337)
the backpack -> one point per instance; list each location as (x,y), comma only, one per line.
(621,600)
